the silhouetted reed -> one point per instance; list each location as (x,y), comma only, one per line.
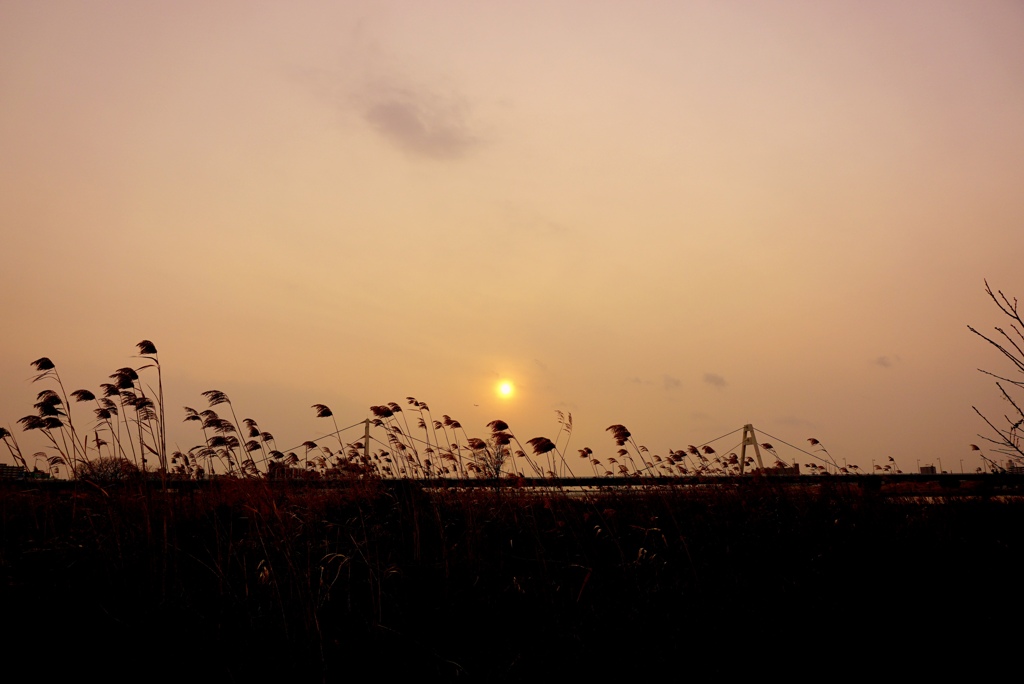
(266,579)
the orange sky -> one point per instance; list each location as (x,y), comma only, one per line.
(677,216)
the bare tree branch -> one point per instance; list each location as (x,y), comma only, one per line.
(1011,347)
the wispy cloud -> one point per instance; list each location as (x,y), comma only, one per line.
(420,123)
(886,361)
(671,383)
(521,219)
(715,380)
(794,421)
(423,114)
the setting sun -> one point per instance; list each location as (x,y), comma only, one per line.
(505,388)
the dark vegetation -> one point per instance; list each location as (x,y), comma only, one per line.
(1006,431)
(253,580)
(127,433)
(326,564)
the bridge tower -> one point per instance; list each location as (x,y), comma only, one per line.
(748,438)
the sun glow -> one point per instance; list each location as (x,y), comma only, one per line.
(505,389)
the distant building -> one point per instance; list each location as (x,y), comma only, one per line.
(8,472)
(927,470)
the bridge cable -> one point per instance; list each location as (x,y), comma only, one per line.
(830,461)
(329,434)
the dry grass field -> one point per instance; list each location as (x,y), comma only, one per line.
(251,580)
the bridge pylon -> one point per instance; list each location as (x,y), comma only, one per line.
(749,438)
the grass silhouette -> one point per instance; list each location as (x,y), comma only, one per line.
(243,578)
(366,559)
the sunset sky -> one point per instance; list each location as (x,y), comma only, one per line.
(677,216)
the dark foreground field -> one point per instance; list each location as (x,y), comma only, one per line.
(255,581)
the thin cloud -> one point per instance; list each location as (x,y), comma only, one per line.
(423,115)
(671,383)
(886,361)
(419,123)
(520,219)
(794,421)
(715,380)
